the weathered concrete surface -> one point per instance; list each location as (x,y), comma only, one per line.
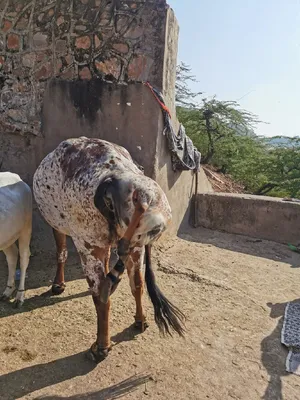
(170,62)
(256,216)
(125,114)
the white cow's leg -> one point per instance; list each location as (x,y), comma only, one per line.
(24,250)
(11,254)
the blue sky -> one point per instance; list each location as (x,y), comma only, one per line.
(246,51)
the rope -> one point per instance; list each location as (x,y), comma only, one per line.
(163,106)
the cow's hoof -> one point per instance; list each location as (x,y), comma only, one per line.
(18,304)
(6,297)
(141,326)
(96,354)
(56,289)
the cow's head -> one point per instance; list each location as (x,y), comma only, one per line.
(137,212)
(136,204)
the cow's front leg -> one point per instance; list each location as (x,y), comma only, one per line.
(134,265)
(95,262)
(99,350)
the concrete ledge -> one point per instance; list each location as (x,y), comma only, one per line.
(257,216)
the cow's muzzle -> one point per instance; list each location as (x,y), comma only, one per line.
(113,278)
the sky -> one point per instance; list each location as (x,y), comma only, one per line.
(248,52)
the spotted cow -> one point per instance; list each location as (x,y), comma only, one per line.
(91,190)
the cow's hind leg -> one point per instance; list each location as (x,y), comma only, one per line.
(24,250)
(11,254)
(62,254)
(134,265)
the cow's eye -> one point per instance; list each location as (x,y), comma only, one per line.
(108,203)
(154,232)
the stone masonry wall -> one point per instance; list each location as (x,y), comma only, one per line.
(53,55)
(73,39)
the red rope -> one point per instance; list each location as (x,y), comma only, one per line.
(163,106)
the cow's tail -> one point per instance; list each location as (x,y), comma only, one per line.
(167,316)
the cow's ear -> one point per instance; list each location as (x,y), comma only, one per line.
(101,194)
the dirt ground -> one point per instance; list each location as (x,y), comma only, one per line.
(233,290)
(222,183)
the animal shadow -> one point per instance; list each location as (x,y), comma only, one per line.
(17,384)
(113,392)
(128,334)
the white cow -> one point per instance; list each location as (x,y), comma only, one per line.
(15,224)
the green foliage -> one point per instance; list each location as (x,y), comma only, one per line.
(184,95)
(249,159)
(224,134)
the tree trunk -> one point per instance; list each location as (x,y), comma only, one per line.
(265,189)
(211,146)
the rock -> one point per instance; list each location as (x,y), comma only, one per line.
(6,25)
(85,73)
(121,47)
(80,28)
(2,61)
(22,23)
(60,20)
(29,60)
(97,42)
(83,42)
(40,40)
(109,67)
(44,72)
(134,32)
(13,42)
(139,67)
(17,116)
(61,46)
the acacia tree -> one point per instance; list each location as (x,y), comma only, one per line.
(224,133)
(214,121)
(223,120)
(281,170)
(184,96)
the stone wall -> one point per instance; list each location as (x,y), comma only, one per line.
(74,39)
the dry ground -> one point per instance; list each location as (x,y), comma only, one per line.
(233,290)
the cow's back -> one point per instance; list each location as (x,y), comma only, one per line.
(66,181)
(15,207)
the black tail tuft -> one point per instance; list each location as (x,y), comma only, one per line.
(167,316)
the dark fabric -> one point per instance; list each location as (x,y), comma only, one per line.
(184,154)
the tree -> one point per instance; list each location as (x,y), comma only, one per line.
(216,120)
(224,134)
(281,169)
(184,96)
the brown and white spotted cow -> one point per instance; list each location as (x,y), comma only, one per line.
(92,190)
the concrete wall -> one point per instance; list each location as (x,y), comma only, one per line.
(256,216)
(123,114)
